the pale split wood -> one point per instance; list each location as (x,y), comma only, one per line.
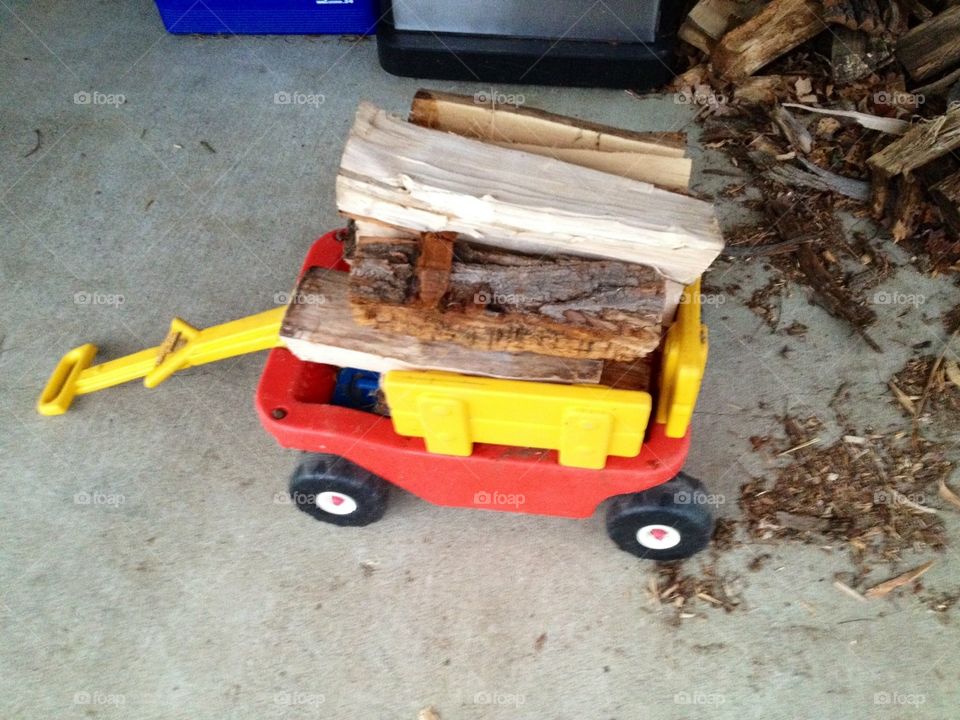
(422,180)
(472,116)
(666,172)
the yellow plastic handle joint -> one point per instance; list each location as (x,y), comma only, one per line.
(61,388)
(174,352)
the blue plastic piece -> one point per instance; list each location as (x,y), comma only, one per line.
(269,17)
(357,389)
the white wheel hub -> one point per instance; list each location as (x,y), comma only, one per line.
(336,503)
(658,537)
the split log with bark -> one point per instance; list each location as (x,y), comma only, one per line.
(319,326)
(933,46)
(781,26)
(442,289)
(895,190)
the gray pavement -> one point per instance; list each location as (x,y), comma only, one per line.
(185,590)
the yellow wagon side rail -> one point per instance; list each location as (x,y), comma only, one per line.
(185,346)
(684,360)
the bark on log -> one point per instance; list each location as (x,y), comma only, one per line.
(777,29)
(319,327)
(841,12)
(922,144)
(854,54)
(495,300)
(946,194)
(933,46)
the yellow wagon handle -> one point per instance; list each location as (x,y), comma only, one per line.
(185,346)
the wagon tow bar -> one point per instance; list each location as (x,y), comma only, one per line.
(185,346)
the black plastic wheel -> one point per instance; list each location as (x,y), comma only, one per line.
(335,490)
(669,522)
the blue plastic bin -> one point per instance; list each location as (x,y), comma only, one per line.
(259,17)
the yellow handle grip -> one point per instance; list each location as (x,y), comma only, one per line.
(61,388)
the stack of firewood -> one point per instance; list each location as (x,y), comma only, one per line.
(507,242)
(888,68)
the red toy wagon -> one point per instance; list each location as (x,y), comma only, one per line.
(455,440)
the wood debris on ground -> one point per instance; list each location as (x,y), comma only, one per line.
(685,593)
(888,586)
(830,106)
(927,390)
(872,497)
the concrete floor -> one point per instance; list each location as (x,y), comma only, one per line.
(186,590)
